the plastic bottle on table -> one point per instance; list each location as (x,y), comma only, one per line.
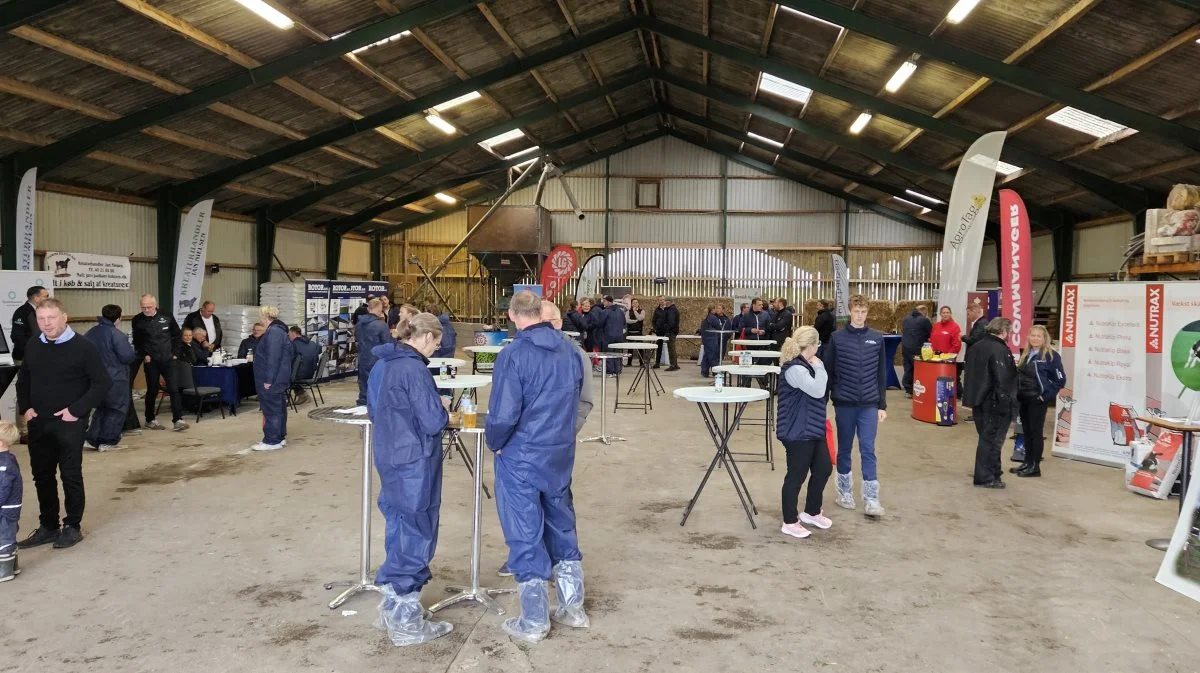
(719,381)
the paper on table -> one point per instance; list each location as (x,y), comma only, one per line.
(358,411)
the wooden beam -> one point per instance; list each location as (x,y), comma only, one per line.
(1156,170)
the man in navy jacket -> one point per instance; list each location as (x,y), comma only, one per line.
(449,339)
(531,428)
(272,376)
(610,324)
(370,331)
(309,353)
(108,419)
(855,362)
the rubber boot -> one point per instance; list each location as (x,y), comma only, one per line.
(1018,455)
(568,579)
(404,619)
(845,490)
(534,622)
(9,568)
(870,493)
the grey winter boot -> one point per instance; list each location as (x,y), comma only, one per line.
(845,490)
(870,493)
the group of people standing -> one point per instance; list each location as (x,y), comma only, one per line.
(755,321)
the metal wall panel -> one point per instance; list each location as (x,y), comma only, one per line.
(778,195)
(1043,256)
(589,191)
(356,257)
(75,224)
(666,156)
(232,286)
(448,229)
(230,242)
(1102,249)
(772,230)
(741,170)
(664,228)
(868,228)
(565,228)
(300,249)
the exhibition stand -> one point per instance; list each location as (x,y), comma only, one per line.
(1188,430)
(935,391)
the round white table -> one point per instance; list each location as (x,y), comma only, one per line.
(466,385)
(758,355)
(646,337)
(644,374)
(476,351)
(753,342)
(705,397)
(689,337)
(436,363)
(768,374)
(603,436)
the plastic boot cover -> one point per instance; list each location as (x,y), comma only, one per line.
(870,493)
(405,621)
(534,622)
(9,568)
(845,490)
(568,578)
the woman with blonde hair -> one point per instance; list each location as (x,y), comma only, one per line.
(1041,376)
(800,425)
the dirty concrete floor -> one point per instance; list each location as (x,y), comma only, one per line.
(198,559)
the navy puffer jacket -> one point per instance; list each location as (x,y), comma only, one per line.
(273,356)
(855,361)
(370,332)
(404,406)
(801,416)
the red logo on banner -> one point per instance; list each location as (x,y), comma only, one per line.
(1154,315)
(557,270)
(1017,284)
(1069,312)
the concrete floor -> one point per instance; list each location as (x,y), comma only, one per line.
(199,559)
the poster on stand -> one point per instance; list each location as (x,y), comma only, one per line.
(13,286)
(85,271)
(189,260)
(344,297)
(316,315)
(1173,342)
(377,288)
(1180,569)
(1016,254)
(26,219)
(841,287)
(558,269)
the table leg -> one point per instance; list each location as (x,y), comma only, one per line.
(364,567)
(603,436)
(454,442)
(721,439)
(474,592)
(1162,543)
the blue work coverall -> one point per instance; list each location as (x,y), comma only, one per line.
(273,366)
(370,332)
(108,419)
(714,343)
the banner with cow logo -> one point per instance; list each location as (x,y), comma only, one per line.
(189,260)
(557,270)
(26,219)
(966,220)
(1016,252)
(85,271)
(841,286)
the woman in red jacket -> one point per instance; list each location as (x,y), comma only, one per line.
(946,336)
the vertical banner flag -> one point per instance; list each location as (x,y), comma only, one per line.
(1016,250)
(588,282)
(966,219)
(26,219)
(189,260)
(841,286)
(557,270)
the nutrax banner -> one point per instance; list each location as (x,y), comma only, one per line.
(1016,250)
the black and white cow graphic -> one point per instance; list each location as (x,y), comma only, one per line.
(60,267)
(188,304)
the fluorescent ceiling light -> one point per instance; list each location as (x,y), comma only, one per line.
(1001,167)
(1005,168)
(907,202)
(901,76)
(960,10)
(860,123)
(924,211)
(923,197)
(810,17)
(527,150)
(764,139)
(441,124)
(455,102)
(273,16)
(360,50)
(1085,122)
(503,138)
(783,88)
(445,198)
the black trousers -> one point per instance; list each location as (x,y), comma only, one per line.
(154,369)
(131,417)
(992,428)
(56,450)
(802,457)
(907,382)
(669,344)
(1033,423)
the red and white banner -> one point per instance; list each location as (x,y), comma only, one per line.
(1154,317)
(557,270)
(1016,252)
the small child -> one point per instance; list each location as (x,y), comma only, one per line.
(10,501)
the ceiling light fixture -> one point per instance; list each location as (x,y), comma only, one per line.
(445,198)
(503,138)
(923,197)
(455,102)
(901,76)
(527,150)
(441,124)
(907,202)
(1005,168)
(960,10)
(810,17)
(764,139)
(860,123)
(1085,122)
(360,50)
(783,88)
(273,16)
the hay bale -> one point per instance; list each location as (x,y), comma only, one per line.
(808,312)
(881,315)
(1183,197)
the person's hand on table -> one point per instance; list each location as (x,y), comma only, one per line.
(66,415)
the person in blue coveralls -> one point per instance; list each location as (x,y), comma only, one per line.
(449,337)
(108,419)
(408,417)
(711,337)
(272,377)
(370,331)
(530,426)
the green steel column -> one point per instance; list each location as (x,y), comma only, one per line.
(376,256)
(846,231)
(333,254)
(1064,252)
(264,246)
(606,191)
(9,182)
(168,224)
(724,219)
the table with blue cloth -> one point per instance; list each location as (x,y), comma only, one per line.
(891,342)
(235,382)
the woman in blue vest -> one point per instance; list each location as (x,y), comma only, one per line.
(801,428)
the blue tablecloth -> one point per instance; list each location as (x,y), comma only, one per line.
(891,342)
(235,382)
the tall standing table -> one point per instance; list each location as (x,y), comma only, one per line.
(345,416)
(604,436)
(720,431)
(750,343)
(463,384)
(653,339)
(644,374)
(688,337)
(771,374)
(474,592)
(476,351)
(1185,448)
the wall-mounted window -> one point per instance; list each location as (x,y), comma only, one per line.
(648,194)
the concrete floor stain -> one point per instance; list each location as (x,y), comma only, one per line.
(291,634)
(169,473)
(702,635)
(717,542)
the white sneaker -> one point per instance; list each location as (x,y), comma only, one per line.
(180,426)
(155,425)
(109,447)
(89,445)
(820,521)
(266,447)
(795,530)
(283,442)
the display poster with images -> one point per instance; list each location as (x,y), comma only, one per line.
(536,289)
(344,297)
(1102,334)
(1174,368)
(316,314)
(13,286)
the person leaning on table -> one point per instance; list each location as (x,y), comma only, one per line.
(408,417)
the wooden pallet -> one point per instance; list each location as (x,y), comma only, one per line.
(1168,257)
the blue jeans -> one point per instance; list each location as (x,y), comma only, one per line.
(864,421)
(410,498)
(273,404)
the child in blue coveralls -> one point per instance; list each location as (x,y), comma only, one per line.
(10,502)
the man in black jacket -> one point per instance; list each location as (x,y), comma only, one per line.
(977,329)
(780,326)
(992,393)
(206,320)
(914,333)
(61,380)
(24,328)
(825,324)
(667,324)
(156,337)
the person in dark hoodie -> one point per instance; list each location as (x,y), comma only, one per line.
(409,417)
(612,332)
(272,377)
(667,324)
(712,338)
(449,339)
(573,321)
(915,333)
(370,331)
(108,419)
(531,429)
(992,394)
(309,353)
(156,336)
(588,333)
(780,326)
(825,324)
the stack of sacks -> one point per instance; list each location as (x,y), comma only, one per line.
(287,297)
(1180,217)
(236,320)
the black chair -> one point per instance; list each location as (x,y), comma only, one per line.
(190,392)
(291,396)
(313,384)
